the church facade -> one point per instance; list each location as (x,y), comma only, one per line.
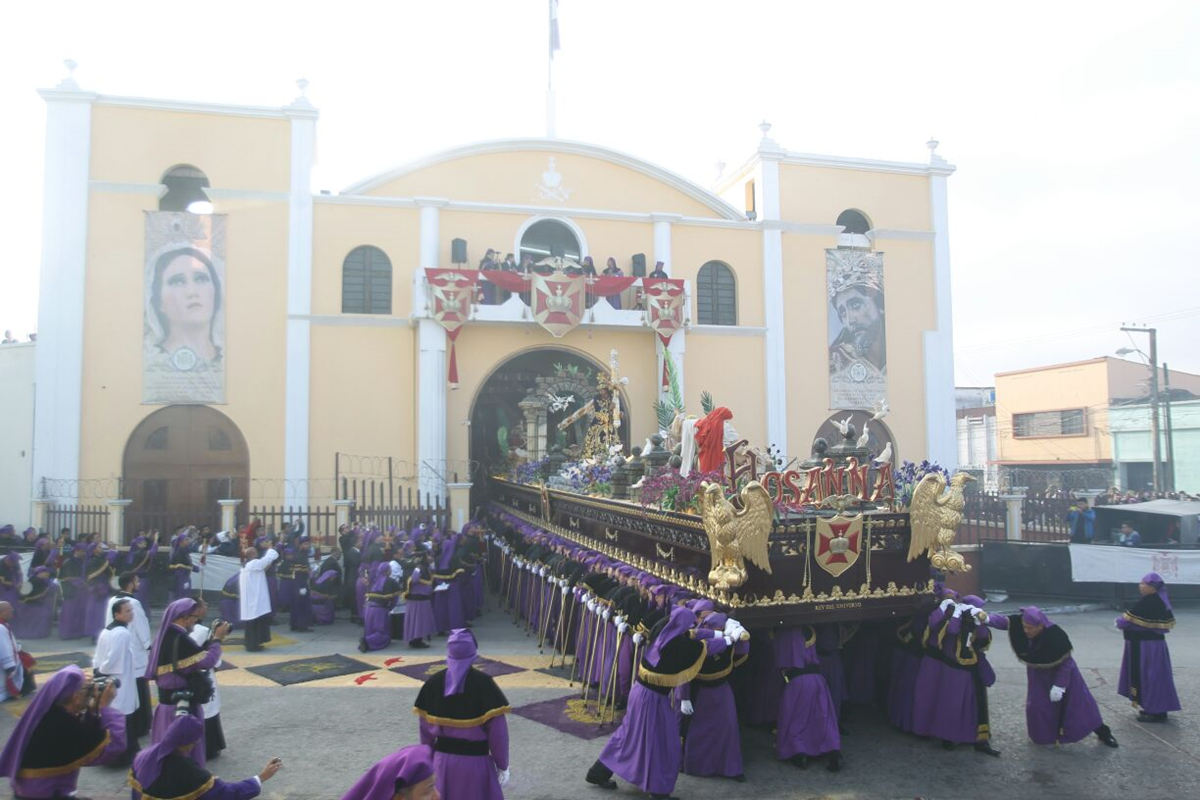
(205,316)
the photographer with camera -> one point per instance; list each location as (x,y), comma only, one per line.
(214,732)
(165,770)
(180,667)
(114,662)
(68,725)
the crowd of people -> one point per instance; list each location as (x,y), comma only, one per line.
(684,673)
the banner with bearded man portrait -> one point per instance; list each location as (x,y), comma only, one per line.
(857,328)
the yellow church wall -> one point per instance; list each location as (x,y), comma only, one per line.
(513,178)
(733,370)
(363,399)
(482,348)
(817,195)
(133,145)
(338,229)
(693,246)
(910,307)
(255,279)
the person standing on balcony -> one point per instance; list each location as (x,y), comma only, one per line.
(1081,521)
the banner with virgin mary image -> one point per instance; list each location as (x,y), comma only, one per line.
(857,328)
(183,336)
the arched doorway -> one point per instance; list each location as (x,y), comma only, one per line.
(524,405)
(179,462)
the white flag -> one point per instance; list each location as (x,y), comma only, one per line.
(555,44)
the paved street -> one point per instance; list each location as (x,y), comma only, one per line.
(330,729)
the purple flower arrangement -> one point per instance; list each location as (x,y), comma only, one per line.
(588,478)
(670,491)
(910,474)
(529,472)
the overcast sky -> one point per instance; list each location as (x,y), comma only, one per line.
(1075,126)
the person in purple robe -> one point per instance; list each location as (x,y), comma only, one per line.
(406,774)
(612,270)
(711,742)
(907,652)
(167,769)
(301,614)
(287,579)
(35,616)
(181,567)
(99,588)
(829,652)
(1059,709)
(11,578)
(325,590)
(72,578)
(45,554)
(808,723)
(419,624)
(1146,677)
(950,702)
(177,664)
(231,603)
(138,560)
(372,555)
(381,599)
(646,749)
(67,726)
(462,717)
(447,602)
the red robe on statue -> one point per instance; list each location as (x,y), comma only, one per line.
(710,439)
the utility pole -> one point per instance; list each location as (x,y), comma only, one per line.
(1157,443)
(1170,465)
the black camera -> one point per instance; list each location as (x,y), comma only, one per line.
(101,682)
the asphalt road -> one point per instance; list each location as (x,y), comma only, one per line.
(330,731)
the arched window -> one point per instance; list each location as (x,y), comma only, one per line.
(185,188)
(716,295)
(853,221)
(366,282)
(549,237)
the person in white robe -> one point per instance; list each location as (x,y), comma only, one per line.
(214,732)
(115,658)
(12,682)
(143,640)
(255,600)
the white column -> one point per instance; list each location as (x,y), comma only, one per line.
(1014,523)
(662,240)
(58,372)
(297,384)
(770,155)
(431,345)
(940,438)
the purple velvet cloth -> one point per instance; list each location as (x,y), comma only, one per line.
(646,750)
(35,613)
(185,730)
(461,652)
(231,608)
(411,765)
(301,614)
(324,597)
(808,721)
(944,697)
(418,614)
(713,745)
(1157,693)
(377,625)
(470,776)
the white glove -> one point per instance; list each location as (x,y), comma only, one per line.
(543,572)
(303,592)
(638,638)
(686,708)
(728,640)
(622,627)
(617,620)
(959,609)
(591,606)
(502,776)
(1056,693)
(562,582)
(981,617)
(731,623)
(949,601)
(442,588)
(564,591)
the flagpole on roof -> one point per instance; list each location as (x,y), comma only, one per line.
(554,45)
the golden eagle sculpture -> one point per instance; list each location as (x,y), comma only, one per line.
(934,517)
(736,532)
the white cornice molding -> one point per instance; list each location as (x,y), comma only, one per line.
(224,109)
(217,193)
(364,200)
(900,235)
(57,95)
(431,202)
(866,164)
(675,181)
(802,228)
(355,320)
(726,330)
(116,187)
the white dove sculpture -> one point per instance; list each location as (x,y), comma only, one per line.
(843,426)
(886,456)
(881,409)
(865,438)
